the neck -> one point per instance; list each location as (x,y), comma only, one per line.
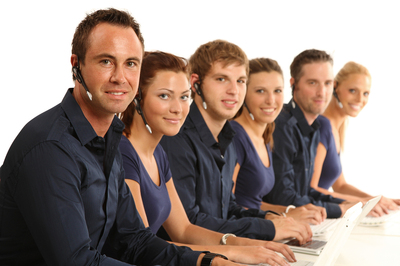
(143,142)
(99,121)
(214,124)
(335,114)
(252,127)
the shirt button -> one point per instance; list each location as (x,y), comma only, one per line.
(222,156)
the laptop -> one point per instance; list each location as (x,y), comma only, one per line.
(335,244)
(315,247)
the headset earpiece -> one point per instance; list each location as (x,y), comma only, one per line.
(138,108)
(198,91)
(79,78)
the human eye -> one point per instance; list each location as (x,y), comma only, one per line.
(164,96)
(278,90)
(106,62)
(366,94)
(352,90)
(131,64)
(260,91)
(221,79)
(185,97)
(241,81)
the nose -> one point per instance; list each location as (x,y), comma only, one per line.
(118,76)
(269,98)
(176,106)
(233,88)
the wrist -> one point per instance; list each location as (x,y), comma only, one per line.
(288,208)
(224,238)
(208,258)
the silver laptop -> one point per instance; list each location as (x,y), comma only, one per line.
(315,247)
(335,244)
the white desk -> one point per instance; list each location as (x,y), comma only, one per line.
(369,246)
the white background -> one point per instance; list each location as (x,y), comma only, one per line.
(35,69)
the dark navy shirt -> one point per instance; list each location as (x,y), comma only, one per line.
(295,146)
(156,201)
(254,179)
(64,200)
(202,170)
(332,167)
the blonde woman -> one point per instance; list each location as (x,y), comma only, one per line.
(351,92)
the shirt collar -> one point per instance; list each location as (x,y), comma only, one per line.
(81,125)
(305,128)
(225,136)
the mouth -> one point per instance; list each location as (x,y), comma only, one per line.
(268,110)
(229,103)
(355,107)
(172,120)
(116,93)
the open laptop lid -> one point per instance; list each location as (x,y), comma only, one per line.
(339,237)
(368,207)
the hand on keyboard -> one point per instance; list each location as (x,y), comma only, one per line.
(308,214)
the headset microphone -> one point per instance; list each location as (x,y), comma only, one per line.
(251,115)
(198,91)
(79,78)
(337,98)
(137,100)
(293,103)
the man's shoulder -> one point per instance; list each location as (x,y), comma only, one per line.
(324,122)
(285,118)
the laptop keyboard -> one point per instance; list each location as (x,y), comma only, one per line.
(324,227)
(379,221)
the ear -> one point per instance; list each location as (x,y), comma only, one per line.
(194,78)
(74,60)
(291,82)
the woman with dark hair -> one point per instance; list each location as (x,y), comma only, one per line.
(160,109)
(352,87)
(254,124)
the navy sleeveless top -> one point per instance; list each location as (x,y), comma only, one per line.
(254,180)
(155,198)
(332,167)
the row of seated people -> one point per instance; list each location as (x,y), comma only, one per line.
(80,187)
(222,165)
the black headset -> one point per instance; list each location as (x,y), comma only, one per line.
(78,76)
(139,110)
(198,91)
(251,115)
(337,97)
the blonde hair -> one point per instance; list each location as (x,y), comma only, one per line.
(348,69)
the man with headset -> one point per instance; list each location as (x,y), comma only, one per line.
(202,156)
(63,198)
(296,134)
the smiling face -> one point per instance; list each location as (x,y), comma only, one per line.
(224,88)
(166,102)
(314,89)
(111,70)
(264,96)
(353,93)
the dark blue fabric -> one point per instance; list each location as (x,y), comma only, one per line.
(156,201)
(332,167)
(254,179)
(64,200)
(295,146)
(202,170)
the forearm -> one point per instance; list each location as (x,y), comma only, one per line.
(272,207)
(349,191)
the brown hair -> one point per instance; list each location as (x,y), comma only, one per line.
(207,54)
(153,62)
(113,16)
(268,65)
(307,57)
(348,69)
